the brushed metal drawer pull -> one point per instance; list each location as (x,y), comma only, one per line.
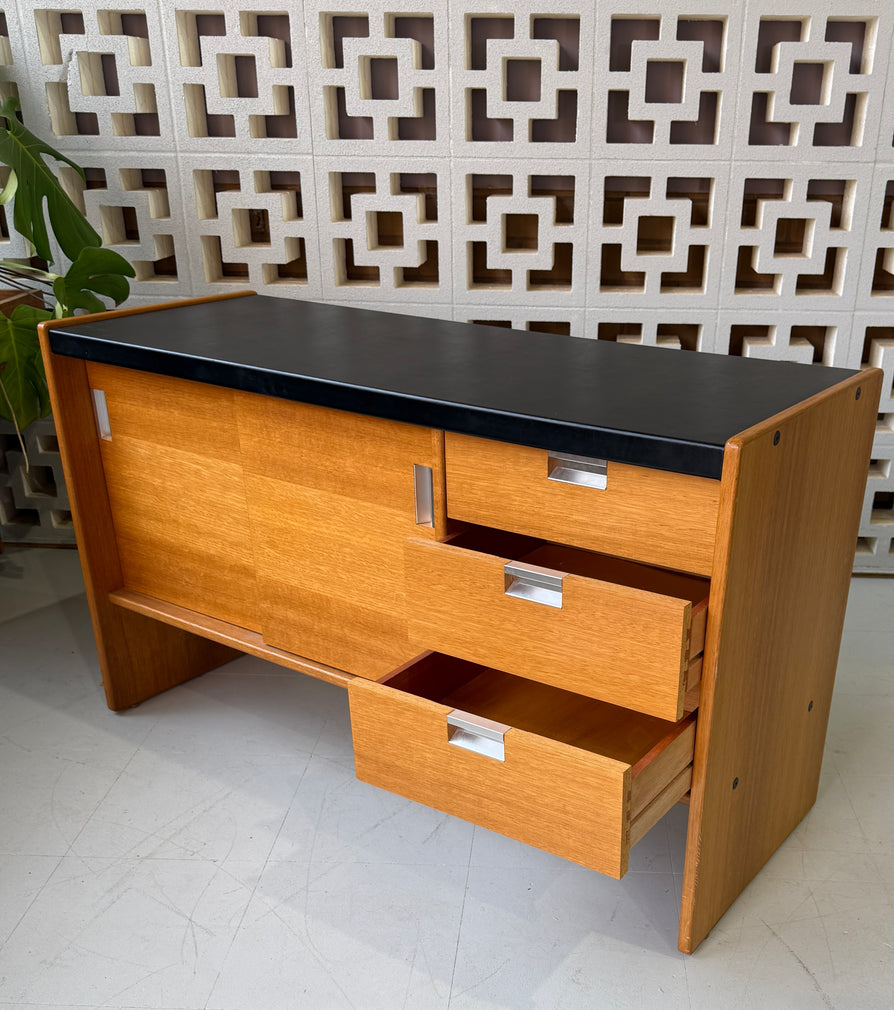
(477,734)
(423,495)
(101,413)
(530,582)
(568,469)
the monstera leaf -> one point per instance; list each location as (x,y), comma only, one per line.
(95,271)
(21,367)
(37,190)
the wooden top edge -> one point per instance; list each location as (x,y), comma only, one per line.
(137,310)
(868,377)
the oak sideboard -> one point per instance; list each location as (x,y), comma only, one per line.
(567,583)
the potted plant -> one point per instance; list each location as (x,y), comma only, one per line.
(35,292)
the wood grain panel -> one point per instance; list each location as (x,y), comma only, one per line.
(789,513)
(618,642)
(173,471)
(662,518)
(332,504)
(567,799)
(138,656)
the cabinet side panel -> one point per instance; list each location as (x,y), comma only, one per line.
(785,543)
(139,657)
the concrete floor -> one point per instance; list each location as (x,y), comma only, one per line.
(212,849)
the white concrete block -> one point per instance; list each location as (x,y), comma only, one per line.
(379,80)
(812,80)
(656,234)
(384,227)
(252,226)
(98,76)
(665,80)
(521,79)
(520,231)
(795,235)
(238,77)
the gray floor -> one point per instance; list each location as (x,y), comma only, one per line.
(212,849)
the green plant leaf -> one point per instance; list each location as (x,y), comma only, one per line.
(9,190)
(38,185)
(21,365)
(94,272)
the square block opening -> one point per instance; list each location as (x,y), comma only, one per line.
(807,83)
(520,231)
(793,236)
(664,81)
(386,229)
(521,80)
(655,235)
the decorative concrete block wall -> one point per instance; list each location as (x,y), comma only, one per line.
(713,177)
(34,502)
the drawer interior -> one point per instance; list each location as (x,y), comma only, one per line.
(614,732)
(592,565)
(577,561)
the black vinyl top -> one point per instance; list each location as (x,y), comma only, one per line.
(644,405)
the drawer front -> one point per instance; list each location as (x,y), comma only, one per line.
(654,516)
(173,470)
(627,646)
(580,805)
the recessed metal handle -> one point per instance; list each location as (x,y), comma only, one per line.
(568,469)
(530,582)
(477,734)
(423,493)
(101,413)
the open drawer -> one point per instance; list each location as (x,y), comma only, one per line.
(571,775)
(599,626)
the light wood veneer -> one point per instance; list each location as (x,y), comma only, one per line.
(625,632)
(654,516)
(174,477)
(577,774)
(332,507)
